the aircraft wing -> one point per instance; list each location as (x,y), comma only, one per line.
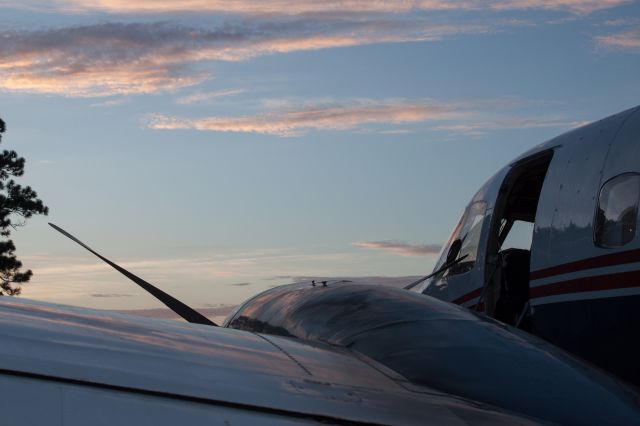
(71,366)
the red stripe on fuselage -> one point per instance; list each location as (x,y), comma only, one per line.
(594,283)
(465,298)
(579,285)
(612,259)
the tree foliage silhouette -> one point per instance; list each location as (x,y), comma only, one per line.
(17,204)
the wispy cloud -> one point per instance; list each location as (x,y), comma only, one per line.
(287,7)
(207,96)
(110,295)
(110,103)
(164,313)
(138,58)
(141,58)
(621,22)
(628,40)
(253,7)
(400,248)
(481,127)
(337,116)
(95,60)
(395,132)
(575,6)
(75,279)
(286,118)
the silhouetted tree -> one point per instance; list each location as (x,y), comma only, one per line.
(17,204)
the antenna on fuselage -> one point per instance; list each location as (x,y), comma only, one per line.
(189,314)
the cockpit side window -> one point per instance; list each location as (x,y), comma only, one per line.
(617,212)
(468,232)
(516,234)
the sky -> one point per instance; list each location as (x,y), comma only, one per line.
(220,148)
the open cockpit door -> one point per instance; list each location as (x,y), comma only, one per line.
(506,291)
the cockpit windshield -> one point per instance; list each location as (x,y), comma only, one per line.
(468,232)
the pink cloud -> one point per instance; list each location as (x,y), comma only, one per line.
(141,58)
(164,313)
(629,40)
(198,97)
(575,6)
(338,116)
(286,7)
(123,59)
(480,127)
(400,248)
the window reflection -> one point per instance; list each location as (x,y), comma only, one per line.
(520,235)
(617,213)
(468,231)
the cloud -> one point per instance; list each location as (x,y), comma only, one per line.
(206,96)
(140,58)
(95,60)
(621,22)
(278,278)
(196,279)
(165,313)
(110,103)
(336,116)
(477,128)
(255,7)
(395,132)
(574,6)
(300,7)
(110,295)
(629,40)
(398,247)
(286,118)
(240,284)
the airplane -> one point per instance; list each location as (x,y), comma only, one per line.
(338,352)
(550,245)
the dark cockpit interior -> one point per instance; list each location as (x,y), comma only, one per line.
(507,292)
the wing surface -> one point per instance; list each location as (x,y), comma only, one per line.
(216,367)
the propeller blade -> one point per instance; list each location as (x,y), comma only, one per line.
(175,305)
